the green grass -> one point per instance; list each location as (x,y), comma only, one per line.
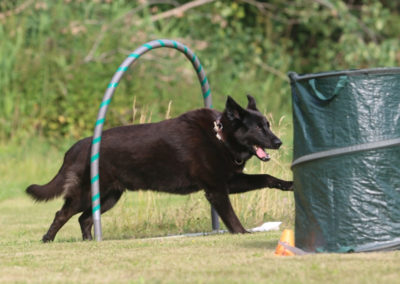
(211,259)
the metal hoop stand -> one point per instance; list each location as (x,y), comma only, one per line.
(95,150)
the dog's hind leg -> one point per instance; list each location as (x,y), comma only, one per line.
(221,203)
(69,209)
(86,222)
(86,219)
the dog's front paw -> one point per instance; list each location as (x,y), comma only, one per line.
(286,185)
(47,239)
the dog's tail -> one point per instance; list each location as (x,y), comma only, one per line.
(48,191)
(69,178)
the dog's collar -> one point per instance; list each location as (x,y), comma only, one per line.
(218,129)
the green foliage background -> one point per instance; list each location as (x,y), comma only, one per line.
(57,57)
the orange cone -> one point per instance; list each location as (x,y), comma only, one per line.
(287,237)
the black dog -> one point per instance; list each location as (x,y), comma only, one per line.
(201,149)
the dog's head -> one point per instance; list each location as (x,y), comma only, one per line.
(250,129)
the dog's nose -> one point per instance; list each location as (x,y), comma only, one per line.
(276,143)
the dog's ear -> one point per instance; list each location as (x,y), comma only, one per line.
(252,103)
(233,109)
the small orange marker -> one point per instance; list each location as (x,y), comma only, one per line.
(287,237)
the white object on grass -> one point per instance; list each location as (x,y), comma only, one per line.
(268,226)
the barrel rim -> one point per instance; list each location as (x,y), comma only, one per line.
(294,77)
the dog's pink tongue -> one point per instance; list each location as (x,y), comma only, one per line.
(261,153)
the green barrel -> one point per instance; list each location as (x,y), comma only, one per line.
(346,166)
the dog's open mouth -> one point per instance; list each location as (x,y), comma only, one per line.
(261,154)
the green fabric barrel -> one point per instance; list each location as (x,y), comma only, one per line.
(346,166)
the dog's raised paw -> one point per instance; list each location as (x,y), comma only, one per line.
(286,185)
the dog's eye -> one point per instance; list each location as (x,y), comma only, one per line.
(266,122)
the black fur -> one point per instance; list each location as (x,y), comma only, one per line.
(180,155)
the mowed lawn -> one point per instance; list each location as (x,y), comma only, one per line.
(208,259)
